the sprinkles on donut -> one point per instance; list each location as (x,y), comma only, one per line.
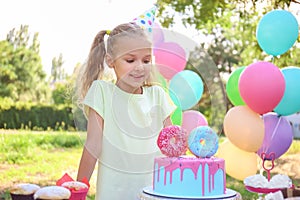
(203,142)
(172,141)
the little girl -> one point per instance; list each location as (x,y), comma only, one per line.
(125,117)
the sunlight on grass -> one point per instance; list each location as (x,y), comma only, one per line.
(46,167)
(38,157)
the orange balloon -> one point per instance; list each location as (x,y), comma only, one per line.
(239,164)
(244,128)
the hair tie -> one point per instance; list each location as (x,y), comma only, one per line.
(108,32)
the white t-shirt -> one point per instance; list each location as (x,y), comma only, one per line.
(132,123)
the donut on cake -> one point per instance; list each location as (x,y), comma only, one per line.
(200,175)
(172,141)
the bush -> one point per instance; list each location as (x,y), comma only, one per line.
(32,116)
(61,94)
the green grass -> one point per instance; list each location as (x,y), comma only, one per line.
(43,157)
(37,157)
(27,147)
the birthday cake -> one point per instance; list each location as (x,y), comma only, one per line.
(189,176)
(188,169)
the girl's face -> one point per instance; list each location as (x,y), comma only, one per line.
(132,64)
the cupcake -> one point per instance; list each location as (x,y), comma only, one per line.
(78,189)
(52,193)
(23,191)
(75,185)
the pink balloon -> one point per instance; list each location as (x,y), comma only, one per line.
(262,86)
(170,58)
(192,119)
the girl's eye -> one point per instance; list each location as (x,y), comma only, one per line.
(147,61)
(130,61)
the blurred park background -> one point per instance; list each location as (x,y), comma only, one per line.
(41,128)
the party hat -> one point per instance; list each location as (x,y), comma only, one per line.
(146,20)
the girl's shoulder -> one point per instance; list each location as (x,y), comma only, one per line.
(156,89)
(103,84)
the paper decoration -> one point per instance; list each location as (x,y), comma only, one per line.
(146,20)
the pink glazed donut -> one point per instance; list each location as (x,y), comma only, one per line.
(172,141)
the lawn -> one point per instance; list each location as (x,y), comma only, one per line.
(43,157)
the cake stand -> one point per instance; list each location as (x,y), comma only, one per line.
(260,191)
(147,193)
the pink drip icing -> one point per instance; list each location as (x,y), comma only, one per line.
(172,163)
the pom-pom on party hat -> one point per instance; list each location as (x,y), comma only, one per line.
(146,20)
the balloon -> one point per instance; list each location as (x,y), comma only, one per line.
(170,58)
(262,86)
(192,119)
(176,117)
(232,87)
(244,128)
(239,164)
(278,135)
(290,102)
(277,32)
(186,89)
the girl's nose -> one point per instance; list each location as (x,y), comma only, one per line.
(139,66)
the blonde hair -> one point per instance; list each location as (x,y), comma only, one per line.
(94,67)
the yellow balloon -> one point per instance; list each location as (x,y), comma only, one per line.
(244,128)
(239,164)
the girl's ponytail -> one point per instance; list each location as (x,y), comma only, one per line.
(94,66)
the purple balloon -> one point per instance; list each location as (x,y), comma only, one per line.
(278,135)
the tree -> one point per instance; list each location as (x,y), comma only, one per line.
(62,93)
(57,71)
(230,27)
(205,14)
(234,21)
(21,74)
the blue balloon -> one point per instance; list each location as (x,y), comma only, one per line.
(277,32)
(186,89)
(290,102)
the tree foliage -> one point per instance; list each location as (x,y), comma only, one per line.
(21,73)
(201,13)
(57,70)
(231,24)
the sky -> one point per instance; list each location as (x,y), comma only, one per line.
(67,26)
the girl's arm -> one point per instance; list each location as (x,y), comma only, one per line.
(167,122)
(92,147)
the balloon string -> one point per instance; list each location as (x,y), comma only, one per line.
(273,134)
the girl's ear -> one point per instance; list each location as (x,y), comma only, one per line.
(109,61)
